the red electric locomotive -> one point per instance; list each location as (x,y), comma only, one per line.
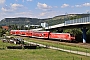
(62,36)
(44,34)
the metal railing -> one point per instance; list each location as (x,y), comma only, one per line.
(80,20)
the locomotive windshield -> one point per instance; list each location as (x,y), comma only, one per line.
(72,35)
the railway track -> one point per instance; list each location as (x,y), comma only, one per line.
(85,45)
(65,50)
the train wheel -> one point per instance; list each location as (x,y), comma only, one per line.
(60,40)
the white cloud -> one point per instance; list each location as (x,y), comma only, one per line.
(72,6)
(29,0)
(87,11)
(16,6)
(83,5)
(12,7)
(78,5)
(55,6)
(25,13)
(22,0)
(3,9)
(48,14)
(16,0)
(86,4)
(6,9)
(43,6)
(64,5)
(42,14)
(16,14)
(2,1)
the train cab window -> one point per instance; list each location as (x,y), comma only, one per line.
(72,35)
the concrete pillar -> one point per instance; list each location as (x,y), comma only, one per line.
(84,30)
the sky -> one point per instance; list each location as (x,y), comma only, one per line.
(42,8)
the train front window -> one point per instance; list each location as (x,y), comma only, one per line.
(72,35)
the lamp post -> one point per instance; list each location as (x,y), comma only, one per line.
(47,25)
(65,18)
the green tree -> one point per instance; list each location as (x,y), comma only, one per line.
(77,33)
(88,36)
(2,32)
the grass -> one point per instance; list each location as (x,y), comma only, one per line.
(36,54)
(39,54)
(4,45)
(59,45)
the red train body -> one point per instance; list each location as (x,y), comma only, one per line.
(18,32)
(15,32)
(62,36)
(44,34)
(40,34)
(12,32)
(29,33)
(23,32)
